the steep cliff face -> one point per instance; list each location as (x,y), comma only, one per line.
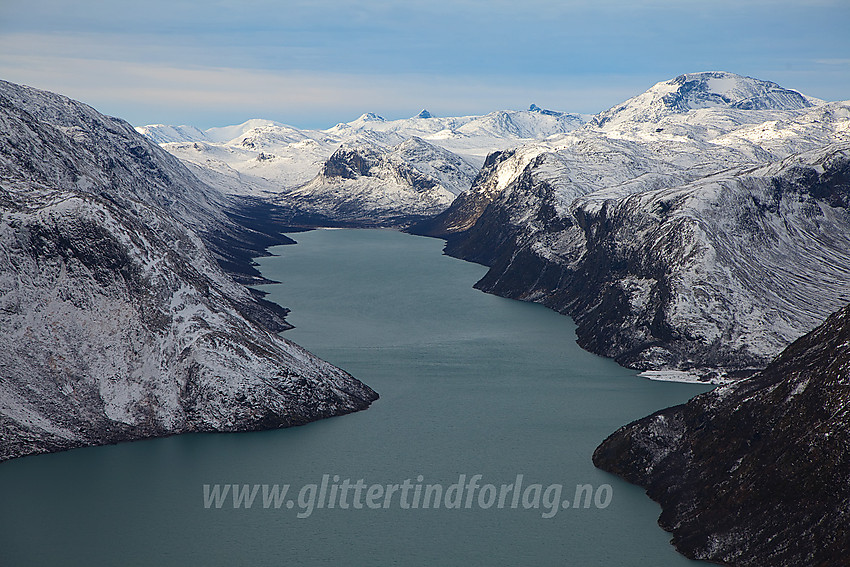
(754,473)
(117,322)
(654,229)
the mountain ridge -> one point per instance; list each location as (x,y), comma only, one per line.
(280,163)
(119,322)
(533,216)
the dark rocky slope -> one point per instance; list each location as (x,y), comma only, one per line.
(754,474)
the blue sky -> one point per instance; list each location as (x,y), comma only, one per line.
(316,63)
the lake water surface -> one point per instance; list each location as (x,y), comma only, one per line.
(470,384)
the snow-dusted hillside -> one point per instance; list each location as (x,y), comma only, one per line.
(556,223)
(275,161)
(724,271)
(54,141)
(117,322)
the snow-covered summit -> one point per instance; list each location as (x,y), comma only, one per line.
(370,117)
(547,112)
(227,133)
(694,91)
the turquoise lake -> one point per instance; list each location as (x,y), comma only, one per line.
(470,384)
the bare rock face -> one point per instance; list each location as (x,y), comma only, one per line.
(754,473)
(117,321)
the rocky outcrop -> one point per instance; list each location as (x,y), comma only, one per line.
(754,473)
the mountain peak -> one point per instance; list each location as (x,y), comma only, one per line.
(719,88)
(370,117)
(227,133)
(424,114)
(695,91)
(538,110)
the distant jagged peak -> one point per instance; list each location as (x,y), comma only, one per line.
(544,111)
(370,117)
(710,89)
(424,114)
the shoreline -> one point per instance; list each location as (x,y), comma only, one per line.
(677,376)
(682,377)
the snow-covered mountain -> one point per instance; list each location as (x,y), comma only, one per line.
(271,160)
(227,133)
(364,183)
(700,91)
(534,210)
(575,222)
(117,321)
(466,134)
(165,133)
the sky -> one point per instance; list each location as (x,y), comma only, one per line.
(315,63)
